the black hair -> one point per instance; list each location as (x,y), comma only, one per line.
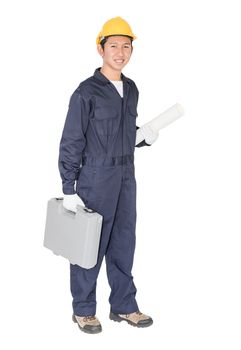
(103,41)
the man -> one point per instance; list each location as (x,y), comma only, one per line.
(97,151)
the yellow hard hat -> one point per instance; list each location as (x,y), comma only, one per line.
(115,26)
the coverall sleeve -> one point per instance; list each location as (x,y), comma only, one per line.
(73,142)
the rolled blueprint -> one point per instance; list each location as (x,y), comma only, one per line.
(162,120)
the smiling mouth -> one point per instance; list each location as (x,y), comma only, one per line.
(119,61)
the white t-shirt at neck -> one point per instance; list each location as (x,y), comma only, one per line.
(119,86)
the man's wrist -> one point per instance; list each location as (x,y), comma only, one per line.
(68,190)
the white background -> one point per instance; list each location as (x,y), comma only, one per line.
(187,262)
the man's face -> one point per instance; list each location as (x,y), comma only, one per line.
(117,52)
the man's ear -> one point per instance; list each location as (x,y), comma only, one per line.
(100,50)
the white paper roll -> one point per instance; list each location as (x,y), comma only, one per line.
(162,120)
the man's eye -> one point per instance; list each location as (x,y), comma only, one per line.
(112,45)
(127,46)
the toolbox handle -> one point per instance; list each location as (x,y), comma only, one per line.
(87,210)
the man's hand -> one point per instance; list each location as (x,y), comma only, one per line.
(71,201)
(149,134)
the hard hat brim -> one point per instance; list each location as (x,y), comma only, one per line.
(99,39)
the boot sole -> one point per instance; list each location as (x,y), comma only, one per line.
(117,318)
(89,331)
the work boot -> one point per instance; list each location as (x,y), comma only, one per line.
(88,324)
(136,319)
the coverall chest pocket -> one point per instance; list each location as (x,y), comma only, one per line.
(132,115)
(106,120)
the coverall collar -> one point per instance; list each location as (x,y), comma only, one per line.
(103,80)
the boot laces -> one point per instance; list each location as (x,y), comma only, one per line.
(89,318)
(137,312)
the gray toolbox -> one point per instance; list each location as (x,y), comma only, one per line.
(75,236)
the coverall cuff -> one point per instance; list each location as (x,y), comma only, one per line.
(142,143)
(68,190)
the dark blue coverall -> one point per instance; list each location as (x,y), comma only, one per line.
(97,150)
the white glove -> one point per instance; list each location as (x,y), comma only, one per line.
(149,134)
(71,201)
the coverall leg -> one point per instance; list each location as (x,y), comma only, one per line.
(120,253)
